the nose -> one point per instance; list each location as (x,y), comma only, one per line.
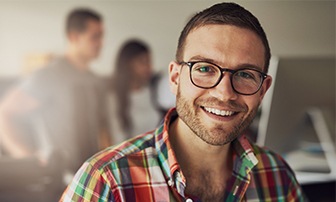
(224,91)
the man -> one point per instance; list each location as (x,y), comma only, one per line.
(200,153)
(58,110)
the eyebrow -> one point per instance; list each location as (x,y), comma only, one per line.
(240,66)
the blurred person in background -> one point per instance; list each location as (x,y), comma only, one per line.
(57,114)
(135,105)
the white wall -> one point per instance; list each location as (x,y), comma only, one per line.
(294,28)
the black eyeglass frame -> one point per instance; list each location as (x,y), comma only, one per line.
(222,70)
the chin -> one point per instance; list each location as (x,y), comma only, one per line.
(220,137)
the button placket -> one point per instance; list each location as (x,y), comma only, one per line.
(171,182)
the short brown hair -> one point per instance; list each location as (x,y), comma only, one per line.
(77,19)
(228,14)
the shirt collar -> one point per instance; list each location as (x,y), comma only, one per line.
(244,158)
(163,147)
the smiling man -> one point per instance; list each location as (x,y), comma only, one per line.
(200,153)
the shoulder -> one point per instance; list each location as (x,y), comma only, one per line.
(272,166)
(119,165)
(273,172)
(268,158)
(102,174)
(49,72)
(42,82)
(128,149)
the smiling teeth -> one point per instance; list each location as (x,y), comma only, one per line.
(218,112)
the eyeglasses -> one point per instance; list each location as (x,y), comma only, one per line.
(246,81)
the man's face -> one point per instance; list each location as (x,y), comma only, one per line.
(229,47)
(89,42)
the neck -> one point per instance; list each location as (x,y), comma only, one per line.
(190,150)
(137,84)
(77,60)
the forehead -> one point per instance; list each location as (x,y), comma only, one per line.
(228,45)
(93,26)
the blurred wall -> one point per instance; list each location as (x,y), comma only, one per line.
(294,28)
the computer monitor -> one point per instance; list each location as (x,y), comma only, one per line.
(300,102)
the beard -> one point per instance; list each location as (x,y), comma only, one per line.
(219,134)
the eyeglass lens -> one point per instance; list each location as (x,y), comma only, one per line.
(207,75)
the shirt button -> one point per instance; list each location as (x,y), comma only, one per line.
(171,182)
(189,200)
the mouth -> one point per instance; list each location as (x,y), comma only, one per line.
(219,112)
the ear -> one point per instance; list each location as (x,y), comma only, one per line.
(174,76)
(266,85)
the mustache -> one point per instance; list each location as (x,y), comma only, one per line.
(225,104)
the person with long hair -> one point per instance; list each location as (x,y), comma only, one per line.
(133,92)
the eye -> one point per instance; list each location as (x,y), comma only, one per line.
(204,68)
(245,74)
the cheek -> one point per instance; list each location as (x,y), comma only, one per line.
(189,91)
(252,103)
(86,46)
(140,69)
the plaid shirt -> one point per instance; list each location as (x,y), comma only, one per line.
(145,169)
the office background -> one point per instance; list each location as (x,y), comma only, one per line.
(31,30)
(294,28)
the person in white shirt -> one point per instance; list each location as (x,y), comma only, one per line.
(134,105)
